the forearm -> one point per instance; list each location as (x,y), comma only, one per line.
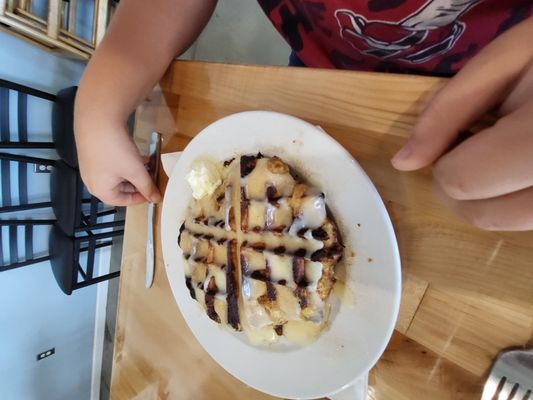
(142,40)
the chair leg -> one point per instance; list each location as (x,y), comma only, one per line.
(91,247)
(91,251)
(102,225)
(99,279)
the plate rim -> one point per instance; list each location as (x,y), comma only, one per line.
(394,248)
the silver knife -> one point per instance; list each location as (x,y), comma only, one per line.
(154,155)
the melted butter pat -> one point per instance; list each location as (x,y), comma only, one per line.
(203,178)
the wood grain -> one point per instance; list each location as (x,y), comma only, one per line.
(413,291)
(100,21)
(466,295)
(38,37)
(54,18)
(156,356)
(409,371)
(469,330)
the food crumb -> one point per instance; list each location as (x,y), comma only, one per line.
(370,259)
(359,225)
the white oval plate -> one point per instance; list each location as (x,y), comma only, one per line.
(358,333)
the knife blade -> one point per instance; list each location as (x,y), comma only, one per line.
(154,155)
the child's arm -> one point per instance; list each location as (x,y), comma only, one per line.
(143,38)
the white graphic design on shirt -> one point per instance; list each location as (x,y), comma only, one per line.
(431,30)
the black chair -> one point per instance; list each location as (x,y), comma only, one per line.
(22,115)
(72,227)
(28,227)
(77,226)
(65,258)
(62,120)
(8,198)
(64,253)
(66,191)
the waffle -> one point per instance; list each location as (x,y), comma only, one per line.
(261,251)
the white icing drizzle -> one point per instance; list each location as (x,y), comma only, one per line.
(313,273)
(258,321)
(312,214)
(280,268)
(194,247)
(270,212)
(220,277)
(227,207)
(260,178)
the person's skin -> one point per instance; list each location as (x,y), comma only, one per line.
(143,38)
(487,179)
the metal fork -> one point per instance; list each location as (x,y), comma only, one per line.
(511,377)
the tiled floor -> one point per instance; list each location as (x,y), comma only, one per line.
(237,33)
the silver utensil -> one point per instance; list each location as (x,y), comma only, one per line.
(154,154)
(511,377)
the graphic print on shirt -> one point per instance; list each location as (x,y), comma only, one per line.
(431,30)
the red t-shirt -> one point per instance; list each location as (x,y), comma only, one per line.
(424,36)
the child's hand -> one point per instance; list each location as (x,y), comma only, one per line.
(142,39)
(488,178)
(113,169)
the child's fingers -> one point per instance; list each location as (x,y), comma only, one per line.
(511,212)
(476,89)
(492,163)
(140,178)
(124,199)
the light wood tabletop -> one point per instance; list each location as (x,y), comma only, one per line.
(467,294)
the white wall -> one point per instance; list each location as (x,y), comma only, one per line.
(34,314)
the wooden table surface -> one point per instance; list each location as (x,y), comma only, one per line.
(467,294)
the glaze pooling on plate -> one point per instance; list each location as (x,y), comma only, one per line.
(261,252)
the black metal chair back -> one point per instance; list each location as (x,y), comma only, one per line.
(21,104)
(12,228)
(12,165)
(77,227)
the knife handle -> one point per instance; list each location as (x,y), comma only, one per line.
(150,246)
